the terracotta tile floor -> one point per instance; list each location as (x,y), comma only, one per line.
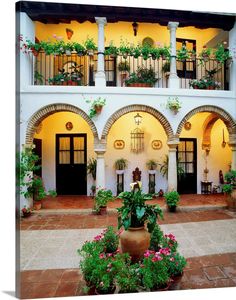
(41,221)
(210,271)
(82,202)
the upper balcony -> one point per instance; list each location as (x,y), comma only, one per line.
(79,69)
(179,55)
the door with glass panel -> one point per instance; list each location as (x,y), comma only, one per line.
(71,161)
(187,160)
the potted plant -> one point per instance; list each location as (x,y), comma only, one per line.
(120,165)
(102,197)
(76,74)
(60,79)
(37,191)
(133,215)
(182,54)
(221,54)
(96,106)
(92,167)
(123,68)
(26,211)
(230,189)
(172,199)
(111,50)
(154,271)
(156,238)
(128,279)
(165,165)
(80,49)
(143,77)
(166,68)
(124,48)
(90,46)
(205,55)
(151,165)
(173,104)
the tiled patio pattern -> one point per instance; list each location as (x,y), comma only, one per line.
(50,239)
(83,202)
(51,221)
(202,272)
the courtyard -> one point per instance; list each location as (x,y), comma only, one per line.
(205,230)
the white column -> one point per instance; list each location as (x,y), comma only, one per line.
(172,165)
(100,78)
(24,62)
(174,81)
(232,47)
(232,144)
(100,174)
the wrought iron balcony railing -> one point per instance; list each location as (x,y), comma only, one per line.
(80,70)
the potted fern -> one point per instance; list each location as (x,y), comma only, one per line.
(120,165)
(151,165)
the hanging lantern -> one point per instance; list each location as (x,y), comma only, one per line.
(138,119)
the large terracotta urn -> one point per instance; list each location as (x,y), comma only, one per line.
(231,200)
(135,241)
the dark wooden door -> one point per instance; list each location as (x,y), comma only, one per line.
(187,68)
(71,162)
(187,160)
(38,151)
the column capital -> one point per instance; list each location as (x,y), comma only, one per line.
(100,147)
(172,25)
(101,20)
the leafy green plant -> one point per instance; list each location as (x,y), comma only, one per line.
(151,164)
(102,197)
(123,66)
(172,198)
(227,188)
(80,49)
(121,164)
(128,278)
(59,78)
(97,103)
(124,48)
(38,78)
(156,238)
(176,264)
(135,212)
(154,271)
(230,177)
(90,44)
(173,104)
(166,67)
(92,167)
(221,54)
(142,75)
(183,53)
(111,50)
(110,240)
(165,165)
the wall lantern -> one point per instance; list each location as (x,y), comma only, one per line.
(135,28)
(138,119)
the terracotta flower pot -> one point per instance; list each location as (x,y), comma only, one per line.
(103,210)
(135,241)
(139,85)
(172,208)
(98,108)
(37,205)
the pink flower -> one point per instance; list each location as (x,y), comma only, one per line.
(147,253)
(172,259)
(102,255)
(101,284)
(109,254)
(165,251)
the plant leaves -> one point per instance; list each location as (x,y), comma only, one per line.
(140,212)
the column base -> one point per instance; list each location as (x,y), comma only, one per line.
(100,78)
(174,82)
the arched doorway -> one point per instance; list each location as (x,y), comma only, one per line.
(67,139)
(200,152)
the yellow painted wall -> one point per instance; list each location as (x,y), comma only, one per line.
(121,130)
(51,126)
(218,158)
(115,31)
